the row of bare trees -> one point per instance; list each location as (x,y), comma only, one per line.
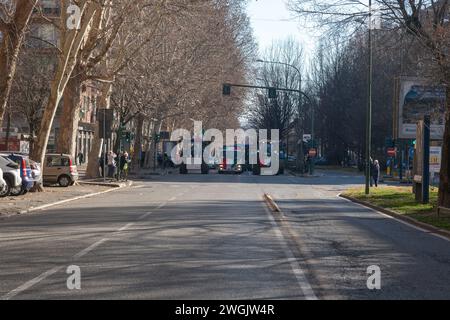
(422,23)
(151,60)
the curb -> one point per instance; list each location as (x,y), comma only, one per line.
(106,184)
(45,206)
(393,214)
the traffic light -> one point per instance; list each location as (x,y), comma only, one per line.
(226,91)
(157,137)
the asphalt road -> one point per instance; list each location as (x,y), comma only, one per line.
(212,237)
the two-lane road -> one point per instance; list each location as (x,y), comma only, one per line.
(212,237)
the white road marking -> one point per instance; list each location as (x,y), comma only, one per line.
(31,283)
(296,269)
(126,226)
(173,199)
(145,215)
(80,254)
(161,205)
(90,248)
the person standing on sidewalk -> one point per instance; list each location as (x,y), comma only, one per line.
(124,165)
(80,158)
(101,163)
(111,164)
(376,172)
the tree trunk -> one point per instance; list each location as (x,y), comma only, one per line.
(40,146)
(10,48)
(71,43)
(92,170)
(137,144)
(70,116)
(444,187)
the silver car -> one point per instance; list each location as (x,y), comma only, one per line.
(11,175)
(2,181)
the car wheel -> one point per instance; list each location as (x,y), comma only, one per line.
(64,181)
(16,191)
(6,190)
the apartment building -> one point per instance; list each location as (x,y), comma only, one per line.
(43,39)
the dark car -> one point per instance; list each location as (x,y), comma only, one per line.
(25,173)
(322,161)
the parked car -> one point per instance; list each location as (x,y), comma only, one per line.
(322,161)
(61,169)
(2,181)
(11,175)
(25,173)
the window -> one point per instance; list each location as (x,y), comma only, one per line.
(53,161)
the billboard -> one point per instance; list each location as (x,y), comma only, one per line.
(416,98)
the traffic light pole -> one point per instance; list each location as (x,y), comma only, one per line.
(272,90)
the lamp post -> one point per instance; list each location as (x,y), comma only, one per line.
(300,96)
(369,104)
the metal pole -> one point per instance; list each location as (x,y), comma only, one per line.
(104,149)
(426,161)
(302,152)
(311,163)
(369,105)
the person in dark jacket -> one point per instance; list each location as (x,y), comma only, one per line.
(375,170)
(101,163)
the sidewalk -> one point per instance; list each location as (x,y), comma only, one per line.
(33,201)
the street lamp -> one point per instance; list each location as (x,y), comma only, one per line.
(299,105)
(369,104)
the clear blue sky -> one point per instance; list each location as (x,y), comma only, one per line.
(271,20)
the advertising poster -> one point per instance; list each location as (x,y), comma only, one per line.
(418,98)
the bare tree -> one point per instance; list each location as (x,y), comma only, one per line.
(425,21)
(282,69)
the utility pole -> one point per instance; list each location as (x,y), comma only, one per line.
(313,145)
(369,104)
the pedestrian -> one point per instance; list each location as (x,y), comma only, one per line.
(111,164)
(80,158)
(101,162)
(165,160)
(125,163)
(376,172)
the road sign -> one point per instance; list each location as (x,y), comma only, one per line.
(391,152)
(307,138)
(312,152)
